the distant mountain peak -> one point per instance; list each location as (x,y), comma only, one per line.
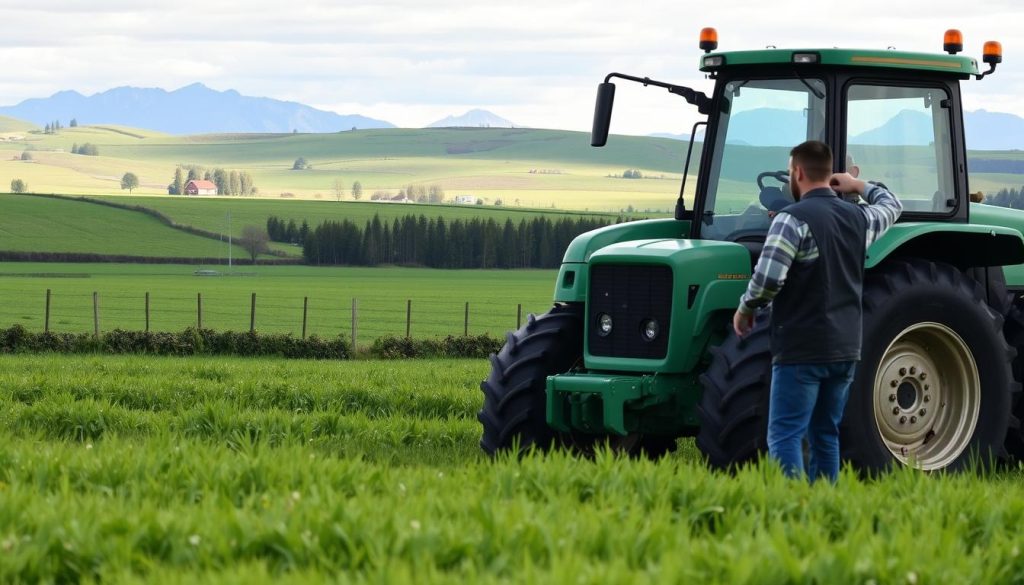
(475,118)
(192,109)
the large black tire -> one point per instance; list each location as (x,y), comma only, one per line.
(934,314)
(734,406)
(1013,330)
(514,409)
(513,413)
(733,409)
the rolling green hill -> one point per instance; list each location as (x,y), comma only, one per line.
(15,125)
(210,213)
(528,168)
(43,224)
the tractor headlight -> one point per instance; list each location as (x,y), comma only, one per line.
(604,324)
(650,329)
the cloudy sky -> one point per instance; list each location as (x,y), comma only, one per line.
(414,61)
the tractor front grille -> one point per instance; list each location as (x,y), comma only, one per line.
(630,295)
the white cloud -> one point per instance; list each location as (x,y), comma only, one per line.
(535,62)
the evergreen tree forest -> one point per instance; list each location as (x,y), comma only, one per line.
(1012,198)
(437,243)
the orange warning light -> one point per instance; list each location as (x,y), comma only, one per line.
(953,41)
(708,39)
(993,52)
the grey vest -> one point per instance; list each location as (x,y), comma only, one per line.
(816,317)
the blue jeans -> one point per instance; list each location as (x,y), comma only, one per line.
(808,400)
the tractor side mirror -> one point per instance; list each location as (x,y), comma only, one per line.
(602,114)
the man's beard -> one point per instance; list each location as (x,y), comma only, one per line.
(794,189)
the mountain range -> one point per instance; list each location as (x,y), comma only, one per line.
(193,109)
(474,119)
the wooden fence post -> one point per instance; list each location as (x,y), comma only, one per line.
(199,310)
(95,314)
(519,316)
(408,318)
(305,309)
(252,314)
(465,322)
(46,321)
(147,312)
(354,319)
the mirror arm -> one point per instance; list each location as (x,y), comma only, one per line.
(694,97)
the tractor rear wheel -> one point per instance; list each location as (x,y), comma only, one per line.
(514,409)
(934,388)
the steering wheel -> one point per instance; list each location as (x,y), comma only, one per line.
(777,175)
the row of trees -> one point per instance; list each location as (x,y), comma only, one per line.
(439,243)
(288,232)
(87,149)
(417,193)
(228,182)
(1012,198)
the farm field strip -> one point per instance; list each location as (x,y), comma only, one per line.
(438,298)
(231,470)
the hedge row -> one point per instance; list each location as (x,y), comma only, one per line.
(469,346)
(192,341)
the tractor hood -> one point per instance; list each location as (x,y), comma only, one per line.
(698,279)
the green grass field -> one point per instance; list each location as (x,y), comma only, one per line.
(39,224)
(528,168)
(438,298)
(210,213)
(163,470)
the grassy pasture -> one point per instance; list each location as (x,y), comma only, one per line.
(438,298)
(488,163)
(40,224)
(162,470)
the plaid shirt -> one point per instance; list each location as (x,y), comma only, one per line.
(790,240)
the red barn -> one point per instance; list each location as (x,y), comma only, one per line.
(200,188)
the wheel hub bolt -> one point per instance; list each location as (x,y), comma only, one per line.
(923,375)
(894,383)
(927,387)
(896,410)
(913,371)
(922,412)
(892,398)
(913,420)
(927,398)
(903,420)
(903,371)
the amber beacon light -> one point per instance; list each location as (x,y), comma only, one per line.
(993,52)
(953,41)
(708,39)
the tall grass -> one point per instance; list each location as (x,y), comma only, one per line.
(233,470)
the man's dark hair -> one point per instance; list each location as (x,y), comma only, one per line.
(815,158)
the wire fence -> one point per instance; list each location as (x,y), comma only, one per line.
(358,319)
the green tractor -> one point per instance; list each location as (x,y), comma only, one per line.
(638,350)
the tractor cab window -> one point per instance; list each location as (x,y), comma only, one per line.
(900,136)
(760,121)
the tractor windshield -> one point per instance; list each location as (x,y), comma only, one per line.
(760,121)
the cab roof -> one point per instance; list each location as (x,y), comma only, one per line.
(959,65)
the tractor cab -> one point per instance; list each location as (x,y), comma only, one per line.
(889,116)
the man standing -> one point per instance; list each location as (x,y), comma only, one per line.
(812,271)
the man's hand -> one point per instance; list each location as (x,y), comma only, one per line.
(742,323)
(847,183)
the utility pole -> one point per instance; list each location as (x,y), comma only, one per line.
(229,241)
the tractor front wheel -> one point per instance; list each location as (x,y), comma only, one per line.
(514,412)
